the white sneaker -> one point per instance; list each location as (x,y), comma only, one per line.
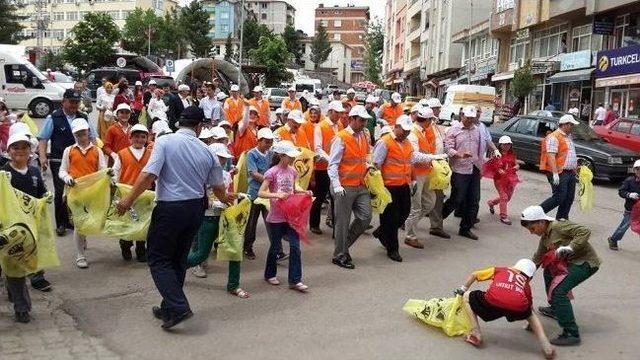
(198,271)
(81,262)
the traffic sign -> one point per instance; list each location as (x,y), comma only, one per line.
(170,65)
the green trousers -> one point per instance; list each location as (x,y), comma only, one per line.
(560,302)
(204,240)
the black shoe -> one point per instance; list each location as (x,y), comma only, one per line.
(316,230)
(348,257)
(329,223)
(141,253)
(282,257)
(566,339)
(395,256)
(547,311)
(158,313)
(174,320)
(126,252)
(440,233)
(22,317)
(468,234)
(343,263)
(42,285)
(613,245)
(476,221)
(249,254)
(61,231)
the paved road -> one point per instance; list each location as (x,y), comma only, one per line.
(348,314)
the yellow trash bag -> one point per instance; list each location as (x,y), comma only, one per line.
(143,118)
(99,143)
(30,123)
(27,242)
(233,221)
(440,176)
(304,166)
(380,196)
(263,201)
(585,190)
(134,224)
(447,314)
(241,179)
(89,202)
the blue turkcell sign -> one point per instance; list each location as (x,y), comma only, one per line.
(619,61)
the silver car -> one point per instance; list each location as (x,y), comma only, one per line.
(275,96)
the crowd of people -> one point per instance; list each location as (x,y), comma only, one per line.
(186,146)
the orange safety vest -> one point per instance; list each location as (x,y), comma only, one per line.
(263,111)
(234,110)
(351,102)
(353,166)
(391,113)
(130,167)
(301,140)
(327,137)
(83,164)
(396,169)
(247,141)
(561,156)
(426,145)
(291,105)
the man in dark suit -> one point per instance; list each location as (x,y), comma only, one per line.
(177,103)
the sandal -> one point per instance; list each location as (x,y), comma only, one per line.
(273,281)
(474,340)
(82,263)
(549,354)
(299,287)
(240,293)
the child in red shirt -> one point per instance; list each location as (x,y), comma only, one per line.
(117,137)
(503,170)
(508,295)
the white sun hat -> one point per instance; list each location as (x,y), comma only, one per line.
(336,106)
(221,150)
(265,133)
(287,148)
(359,111)
(296,115)
(218,133)
(79,124)
(234,87)
(205,134)
(535,213)
(505,139)
(139,127)
(526,266)
(396,98)
(568,119)
(404,121)
(434,102)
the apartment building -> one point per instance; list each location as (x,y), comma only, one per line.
(338,62)
(275,14)
(479,54)
(60,16)
(347,24)
(394,44)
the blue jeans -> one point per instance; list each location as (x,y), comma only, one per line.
(277,232)
(623,227)
(562,195)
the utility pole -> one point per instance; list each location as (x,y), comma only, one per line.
(149,42)
(241,38)
(469,42)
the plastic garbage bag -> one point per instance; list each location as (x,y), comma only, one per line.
(635,218)
(304,166)
(296,209)
(380,196)
(445,313)
(241,179)
(585,188)
(440,175)
(134,224)
(233,222)
(89,202)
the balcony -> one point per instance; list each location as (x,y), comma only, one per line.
(412,64)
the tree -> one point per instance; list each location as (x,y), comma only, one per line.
(135,33)
(229,52)
(291,38)
(194,21)
(522,82)
(10,27)
(373,45)
(273,55)
(84,49)
(170,38)
(251,35)
(53,61)
(320,47)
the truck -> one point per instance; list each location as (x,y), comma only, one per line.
(23,86)
(460,96)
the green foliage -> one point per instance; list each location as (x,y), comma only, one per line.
(373,44)
(10,28)
(84,49)
(229,52)
(169,37)
(194,21)
(272,53)
(53,61)
(251,35)
(522,82)
(292,38)
(320,46)
(135,33)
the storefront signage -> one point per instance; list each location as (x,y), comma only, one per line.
(574,94)
(620,61)
(542,67)
(603,24)
(575,60)
(618,81)
(357,65)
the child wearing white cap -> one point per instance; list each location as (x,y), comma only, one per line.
(80,159)
(118,134)
(503,170)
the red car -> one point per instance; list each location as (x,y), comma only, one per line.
(622,132)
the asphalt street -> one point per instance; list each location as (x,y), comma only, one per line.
(354,314)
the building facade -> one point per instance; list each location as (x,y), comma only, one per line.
(60,16)
(348,25)
(275,14)
(479,58)
(339,60)
(394,44)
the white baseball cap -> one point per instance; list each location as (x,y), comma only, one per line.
(434,102)
(218,133)
(224,123)
(385,130)
(371,100)
(279,111)
(19,128)
(291,88)
(234,87)
(574,111)
(396,98)
(153,82)
(313,102)
(636,164)
(568,119)
(79,124)
(15,138)
(296,115)
(423,102)
(416,108)
(254,109)
(265,133)
(535,213)
(359,111)
(221,96)
(470,111)
(138,83)
(184,87)
(123,106)
(221,150)
(205,134)
(160,127)
(336,106)
(287,148)
(426,113)
(139,127)
(404,121)
(351,91)
(505,139)
(526,266)
(257,89)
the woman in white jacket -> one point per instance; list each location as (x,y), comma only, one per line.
(156,104)
(104,102)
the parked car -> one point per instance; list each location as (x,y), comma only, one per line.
(622,132)
(161,81)
(607,161)
(361,97)
(63,80)
(330,89)
(275,96)
(383,94)
(552,113)
(113,75)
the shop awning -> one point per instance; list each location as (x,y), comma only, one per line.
(618,80)
(502,76)
(570,76)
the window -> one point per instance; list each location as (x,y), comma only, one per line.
(58,16)
(21,74)
(125,14)
(337,23)
(623,126)
(337,37)
(583,39)
(525,127)
(518,49)
(635,129)
(264,5)
(224,28)
(224,15)
(264,16)
(83,14)
(324,23)
(72,16)
(550,42)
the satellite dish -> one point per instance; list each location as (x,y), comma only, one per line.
(121,62)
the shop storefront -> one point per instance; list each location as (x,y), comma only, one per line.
(618,73)
(571,86)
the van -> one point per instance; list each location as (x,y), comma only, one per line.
(23,86)
(113,75)
(460,96)
(313,86)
